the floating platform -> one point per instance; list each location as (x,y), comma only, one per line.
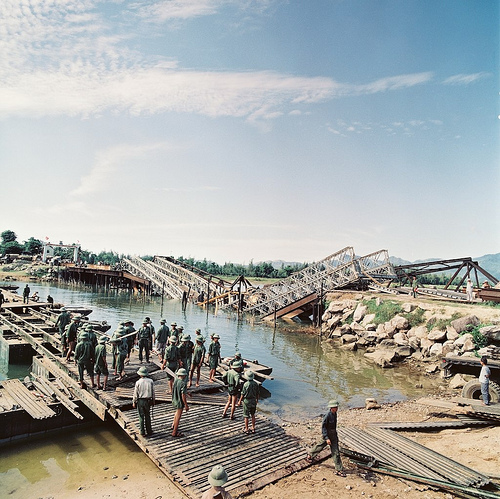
(251,460)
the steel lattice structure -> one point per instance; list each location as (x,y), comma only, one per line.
(333,272)
(161,282)
(186,277)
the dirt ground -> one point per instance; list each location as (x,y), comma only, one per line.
(476,448)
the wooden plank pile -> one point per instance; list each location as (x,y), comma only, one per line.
(23,397)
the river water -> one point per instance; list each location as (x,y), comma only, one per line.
(307,374)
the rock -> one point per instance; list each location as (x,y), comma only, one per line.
(399,322)
(390,329)
(457,382)
(332,323)
(336,307)
(460,341)
(403,352)
(434,368)
(425,346)
(326,316)
(469,345)
(345,329)
(436,350)
(350,347)
(336,333)
(465,323)
(360,312)
(492,333)
(408,307)
(414,342)
(388,343)
(400,339)
(349,338)
(358,328)
(411,333)
(367,319)
(371,327)
(436,335)
(449,348)
(371,403)
(381,357)
(421,332)
(451,333)
(417,355)
(346,315)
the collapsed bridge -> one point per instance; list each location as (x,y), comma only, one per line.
(290,296)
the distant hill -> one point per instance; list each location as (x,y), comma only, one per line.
(491,263)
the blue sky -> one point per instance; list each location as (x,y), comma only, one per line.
(264,129)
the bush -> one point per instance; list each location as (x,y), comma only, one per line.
(415,318)
(441,324)
(479,339)
(384,312)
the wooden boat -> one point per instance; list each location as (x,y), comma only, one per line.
(261,371)
(9,287)
(79,310)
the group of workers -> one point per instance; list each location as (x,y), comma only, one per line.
(181,358)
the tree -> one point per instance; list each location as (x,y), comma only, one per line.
(8,236)
(33,246)
(12,247)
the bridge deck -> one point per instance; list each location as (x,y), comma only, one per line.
(252,460)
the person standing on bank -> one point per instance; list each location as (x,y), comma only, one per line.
(330,437)
(469,290)
(26,294)
(179,401)
(144,399)
(217,478)
(484,379)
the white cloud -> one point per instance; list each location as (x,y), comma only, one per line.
(465,79)
(63,57)
(107,164)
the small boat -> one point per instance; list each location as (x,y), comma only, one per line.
(9,287)
(102,326)
(79,310)
(261,371)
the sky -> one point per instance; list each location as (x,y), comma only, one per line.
(239,130)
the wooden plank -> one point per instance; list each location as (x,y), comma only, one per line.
(91,402)
(36,408)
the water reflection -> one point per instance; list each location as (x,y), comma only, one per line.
(307,371)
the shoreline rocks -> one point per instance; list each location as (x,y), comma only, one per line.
(354,325)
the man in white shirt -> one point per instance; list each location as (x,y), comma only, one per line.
(484,379)
(144,399)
